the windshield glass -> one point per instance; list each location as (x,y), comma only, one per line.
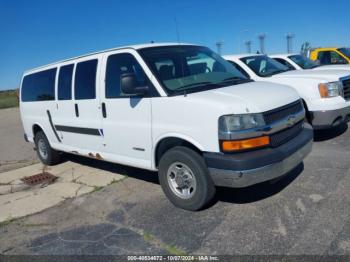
(263,65)
(185,69)
(303,62)
(345,51)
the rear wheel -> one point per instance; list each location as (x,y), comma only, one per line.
(185,179)
(46,154)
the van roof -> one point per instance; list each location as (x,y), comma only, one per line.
(135,47)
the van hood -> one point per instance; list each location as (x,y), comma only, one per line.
(325,75)
(253,97)
(333,67)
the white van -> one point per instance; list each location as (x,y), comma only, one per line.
(199,124)
(325,93)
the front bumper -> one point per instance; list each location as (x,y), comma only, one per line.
(330,118)
(249,168)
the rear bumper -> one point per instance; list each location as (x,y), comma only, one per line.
(330,118)
(249,168)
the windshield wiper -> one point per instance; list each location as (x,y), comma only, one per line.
(193,85)
(236,79)
(200,86)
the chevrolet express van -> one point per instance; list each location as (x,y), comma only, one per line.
(181,110)
(325,93)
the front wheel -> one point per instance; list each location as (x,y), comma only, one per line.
(185,179)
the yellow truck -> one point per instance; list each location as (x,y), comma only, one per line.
(331,55)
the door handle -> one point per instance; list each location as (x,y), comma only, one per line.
(76,110)
(104,112)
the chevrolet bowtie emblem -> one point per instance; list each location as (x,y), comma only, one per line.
(291,120)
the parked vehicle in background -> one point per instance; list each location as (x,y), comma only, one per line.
(181,110)
(331,55)
(326,93)
(301,62)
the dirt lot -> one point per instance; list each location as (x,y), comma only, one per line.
(306,212)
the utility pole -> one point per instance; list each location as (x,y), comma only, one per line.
(219,45)
(248,45)
(289,37)
(262,43)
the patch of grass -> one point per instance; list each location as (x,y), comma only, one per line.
(173,250)
(96,189)
(7,222)
(8,99)
(117,181)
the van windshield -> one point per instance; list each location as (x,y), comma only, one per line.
(264,66)
(303,62)
(188,69)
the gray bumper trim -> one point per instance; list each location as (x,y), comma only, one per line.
(330,118)
(238,179)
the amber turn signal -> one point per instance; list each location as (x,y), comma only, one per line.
(237,145)
(323,90)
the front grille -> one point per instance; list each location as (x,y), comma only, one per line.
(346,88)
(285,135)
(282,112)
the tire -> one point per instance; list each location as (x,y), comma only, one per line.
(177,167)
(47,155)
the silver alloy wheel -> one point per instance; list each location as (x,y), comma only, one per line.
(181,180)
(42,148)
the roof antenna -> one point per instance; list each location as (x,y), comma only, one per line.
(177,30)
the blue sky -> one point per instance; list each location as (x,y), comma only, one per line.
(37,32)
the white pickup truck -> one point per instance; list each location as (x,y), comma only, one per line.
(326,93)
(300,62)
(181,110)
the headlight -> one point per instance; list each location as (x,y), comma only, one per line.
(331,89)
(231,123)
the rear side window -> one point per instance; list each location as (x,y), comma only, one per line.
(117,65)
(39,86)
(85,80)
(65,82)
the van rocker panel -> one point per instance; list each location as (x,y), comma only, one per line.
(253,167)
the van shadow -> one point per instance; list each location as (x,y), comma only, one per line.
(231,195)
(259,191)
(137,173)
(327,134)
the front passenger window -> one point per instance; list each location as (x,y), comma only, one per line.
(120,64)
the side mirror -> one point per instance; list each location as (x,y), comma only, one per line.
(130,85)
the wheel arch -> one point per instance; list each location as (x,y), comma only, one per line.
(169,141)
(36,128)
